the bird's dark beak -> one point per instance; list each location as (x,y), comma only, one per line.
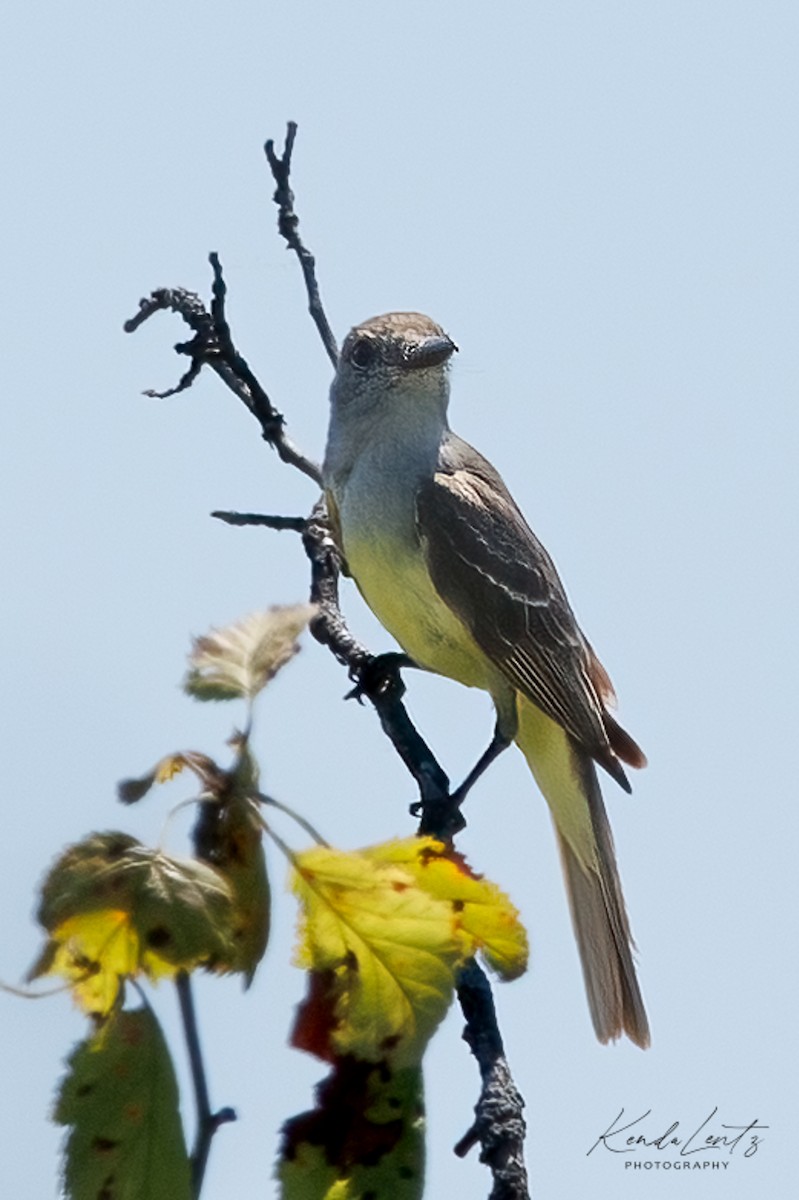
(432,352)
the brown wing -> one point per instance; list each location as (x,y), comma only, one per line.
(490,568)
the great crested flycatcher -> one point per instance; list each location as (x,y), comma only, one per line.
(446,561)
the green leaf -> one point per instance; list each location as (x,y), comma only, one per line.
(113,907)
(119,1100)
(239,660)
(229,835)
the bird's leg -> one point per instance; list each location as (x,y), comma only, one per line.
(499,742)
(380,680)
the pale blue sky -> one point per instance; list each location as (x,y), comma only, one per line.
(598,201)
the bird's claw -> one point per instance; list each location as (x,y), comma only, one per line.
(379,676)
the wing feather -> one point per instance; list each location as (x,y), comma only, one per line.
(490,568)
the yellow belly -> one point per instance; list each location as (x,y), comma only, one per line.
(398,589)
(400,593)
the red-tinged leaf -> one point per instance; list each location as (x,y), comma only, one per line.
(365,1137)
(316,1017)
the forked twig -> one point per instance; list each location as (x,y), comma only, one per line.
(213,345)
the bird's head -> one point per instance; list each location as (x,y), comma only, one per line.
(390,389)
(404,350)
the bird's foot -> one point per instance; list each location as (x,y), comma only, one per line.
(380,676)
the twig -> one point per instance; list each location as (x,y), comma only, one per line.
(376,678)
(328,626)
(295,524)
(207,1121)
(499,1125)
(212,344)
(288,226)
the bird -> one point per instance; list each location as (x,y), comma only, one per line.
(443,556)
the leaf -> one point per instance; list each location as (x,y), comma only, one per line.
(129,791)
(364,1138)
(229,836)
(119,1099)
(383,934)
(94,953)
(383,954)
(240,659)
(487,916)
(113,908)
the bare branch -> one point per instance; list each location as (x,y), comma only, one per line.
(288,226)
(179,300)
(499,1124)
(295,524)
(212,344)
(328,627)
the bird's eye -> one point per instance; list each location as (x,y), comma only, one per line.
(363,353)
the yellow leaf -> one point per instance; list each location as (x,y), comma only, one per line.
(386,951)
(169,767)
(487,916)
(94,952)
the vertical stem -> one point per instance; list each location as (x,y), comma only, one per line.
(207,1122)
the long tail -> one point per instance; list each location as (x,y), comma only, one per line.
(568,780)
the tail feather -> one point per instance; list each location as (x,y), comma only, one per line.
(567,777)
(622,744)
(599,918)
